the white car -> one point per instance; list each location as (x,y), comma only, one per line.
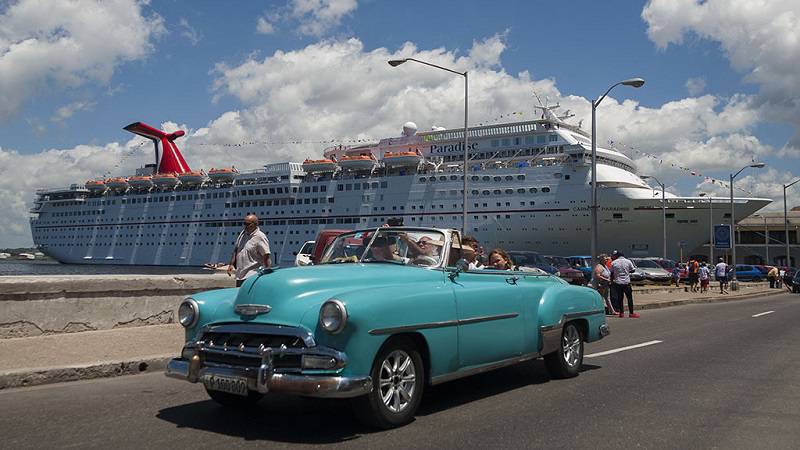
(303,256)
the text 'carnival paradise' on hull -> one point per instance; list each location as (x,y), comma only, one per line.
(529,189)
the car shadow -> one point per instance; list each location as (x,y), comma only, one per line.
(289,419)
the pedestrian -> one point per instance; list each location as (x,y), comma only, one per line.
(705,275)
(250,252)
(676,275)
(621,269)
(692,270)
(781,276)
(601,278)
(721,274)
(772,276)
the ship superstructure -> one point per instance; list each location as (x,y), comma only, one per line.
(528,189)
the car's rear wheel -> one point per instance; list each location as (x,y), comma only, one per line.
(235,401)
(567,361)
(398,378)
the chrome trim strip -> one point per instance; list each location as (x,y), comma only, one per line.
(484,368)
(584,313)
(447,323)
(307,385)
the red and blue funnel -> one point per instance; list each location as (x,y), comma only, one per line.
(171,160)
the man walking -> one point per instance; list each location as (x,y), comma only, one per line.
(721,274)
(250,252)
(621,269)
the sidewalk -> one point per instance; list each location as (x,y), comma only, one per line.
(38,360)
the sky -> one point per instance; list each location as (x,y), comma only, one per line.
(258,82)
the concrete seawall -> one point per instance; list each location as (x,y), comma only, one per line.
(39,305)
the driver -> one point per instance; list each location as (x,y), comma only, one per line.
(424,251)
(385,249)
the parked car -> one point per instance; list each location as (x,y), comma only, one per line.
(637,276)
(324,238)
(303,256)
(666,264)
(763,269)
(652,271)
(582,263)
(796,282)
(379,326)
(573,276)
(746,272)
(532,259)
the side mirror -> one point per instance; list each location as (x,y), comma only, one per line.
(462,265)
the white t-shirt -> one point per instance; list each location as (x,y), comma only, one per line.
(721,270)
(250,250)
(704,273)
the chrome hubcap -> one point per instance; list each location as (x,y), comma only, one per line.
(397,380)
(571,346)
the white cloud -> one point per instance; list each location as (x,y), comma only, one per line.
(312,17)
(264,27)
(57,45)
(65,112)
(760,38)
(188,32)
(696,85)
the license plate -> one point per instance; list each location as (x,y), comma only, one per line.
(231,385)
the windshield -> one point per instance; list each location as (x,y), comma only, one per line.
(530,259)
(646,263)
(558,261)
(307,248)
(387,245)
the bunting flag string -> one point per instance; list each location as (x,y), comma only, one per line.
(692,172)
(289,142)
(124,157)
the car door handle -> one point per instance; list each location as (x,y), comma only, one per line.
(512,280)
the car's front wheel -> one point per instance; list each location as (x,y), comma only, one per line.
(567,361)
(233,400)
(398,378)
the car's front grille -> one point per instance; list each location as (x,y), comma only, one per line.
(242,345)
(234,340)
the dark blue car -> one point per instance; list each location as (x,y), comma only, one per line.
(746,272)
(582,263)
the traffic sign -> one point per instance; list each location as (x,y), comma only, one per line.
(722,236)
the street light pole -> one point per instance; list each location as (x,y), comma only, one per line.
(710,228)
(397,62)
(633,82)
(766,241)
(786,222)
(734,283)
(663,212)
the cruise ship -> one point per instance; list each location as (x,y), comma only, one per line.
(529,187)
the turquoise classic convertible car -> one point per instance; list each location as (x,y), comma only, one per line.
(384,314)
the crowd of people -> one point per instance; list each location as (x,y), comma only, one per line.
(611,277)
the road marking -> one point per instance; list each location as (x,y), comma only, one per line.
(763,314)
(622,349)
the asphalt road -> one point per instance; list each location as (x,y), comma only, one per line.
(719,378)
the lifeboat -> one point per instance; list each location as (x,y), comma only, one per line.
(402,159)
(117,184)
(357,162)
(143,182)
(192,178)
(165,180)
(224,175)
(96,185)
(319,165)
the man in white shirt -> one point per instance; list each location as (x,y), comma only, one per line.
(721,274)
(621,269)
(250,252)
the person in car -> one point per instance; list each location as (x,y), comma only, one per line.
(472,250)
(499,260)
(385,249)
(425,251)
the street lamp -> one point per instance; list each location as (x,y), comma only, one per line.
(734,284)
(786,222)
(634,82)
(710,227)
(397,62)
(663,210)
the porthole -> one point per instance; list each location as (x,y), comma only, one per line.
(533,190)
(545,189)
(497,192)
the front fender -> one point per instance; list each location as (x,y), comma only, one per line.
(212,305)
(375,314)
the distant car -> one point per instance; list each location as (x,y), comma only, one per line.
(572,276)
(652,270)
(637,276)
(763,269)
(532,259)
(796,282)
(324,238)
(746,272)
(666,264)
(582,263)
(303,256)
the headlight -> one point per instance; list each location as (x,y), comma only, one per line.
(333,316)
(188,313)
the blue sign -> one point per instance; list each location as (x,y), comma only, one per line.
(722,236)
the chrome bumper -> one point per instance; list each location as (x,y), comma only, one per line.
(604,331)
(264,380)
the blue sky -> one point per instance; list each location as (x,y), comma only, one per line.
(209,67)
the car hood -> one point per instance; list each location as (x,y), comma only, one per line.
(290,293)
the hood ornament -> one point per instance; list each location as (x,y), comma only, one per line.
(252,310)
